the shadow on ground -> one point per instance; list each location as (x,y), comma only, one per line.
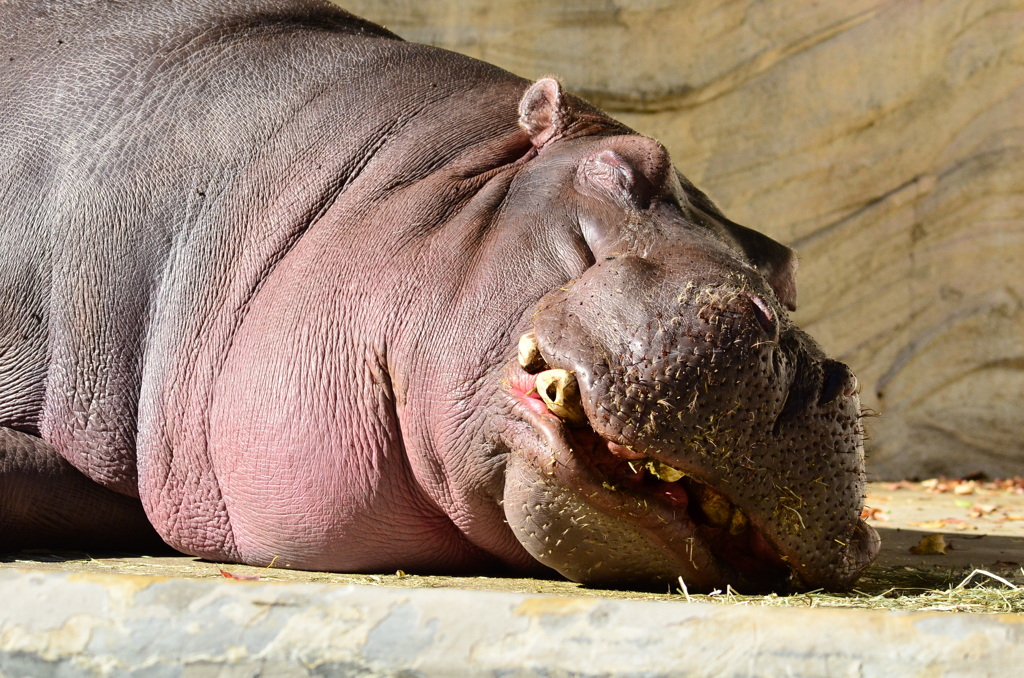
(984,543)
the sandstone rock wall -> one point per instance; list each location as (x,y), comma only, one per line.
(882,139)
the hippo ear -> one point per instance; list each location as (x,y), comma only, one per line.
(776,262)
(543,112)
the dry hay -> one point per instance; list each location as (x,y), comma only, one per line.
(901,588)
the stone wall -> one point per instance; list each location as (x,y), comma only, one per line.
(883,140)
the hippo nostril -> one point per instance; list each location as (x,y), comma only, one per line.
(763,313)
(839,380)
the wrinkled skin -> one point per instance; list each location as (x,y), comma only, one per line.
(265,273)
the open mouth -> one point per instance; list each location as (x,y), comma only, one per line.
(716,543)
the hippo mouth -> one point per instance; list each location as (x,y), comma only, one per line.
(712,541)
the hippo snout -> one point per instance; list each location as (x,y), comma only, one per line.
(698,419)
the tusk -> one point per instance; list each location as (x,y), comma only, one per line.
(852,387)
(716,507)
(664,472)
(737,523)
(560,392)
(530,358)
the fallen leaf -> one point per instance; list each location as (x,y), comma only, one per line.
(1010,485)
(932,544)
(868,513)
(932,524)
(965,487)
(244,577)
(979,510)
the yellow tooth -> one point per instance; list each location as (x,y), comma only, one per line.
(530,358)
(716,507)
(737,523)
(663,471)
(560,392)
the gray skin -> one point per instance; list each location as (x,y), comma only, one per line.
(264,270)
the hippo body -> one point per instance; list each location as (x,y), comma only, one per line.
(281,287)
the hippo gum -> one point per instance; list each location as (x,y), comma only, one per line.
(281,287)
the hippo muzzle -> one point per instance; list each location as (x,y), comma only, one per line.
(702,420)
(681,425)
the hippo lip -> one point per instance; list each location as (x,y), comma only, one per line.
(668,512)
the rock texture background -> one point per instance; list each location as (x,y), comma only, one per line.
(883,140)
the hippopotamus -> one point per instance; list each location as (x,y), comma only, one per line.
(279,287)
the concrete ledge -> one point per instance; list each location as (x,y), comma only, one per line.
(69,625)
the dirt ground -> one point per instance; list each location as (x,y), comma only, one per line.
(981,523)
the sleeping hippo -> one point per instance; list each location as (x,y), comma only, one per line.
(279,287)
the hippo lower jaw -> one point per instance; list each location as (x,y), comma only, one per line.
(694,531)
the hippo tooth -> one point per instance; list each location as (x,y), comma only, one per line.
(663,471)
(716,507)
(737,523)
(560,392)
(852,387)
(530,358)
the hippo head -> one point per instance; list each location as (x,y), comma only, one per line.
(667,418)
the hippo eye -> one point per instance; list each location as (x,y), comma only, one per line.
(622,176)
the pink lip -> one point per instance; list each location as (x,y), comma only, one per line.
(522,386)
